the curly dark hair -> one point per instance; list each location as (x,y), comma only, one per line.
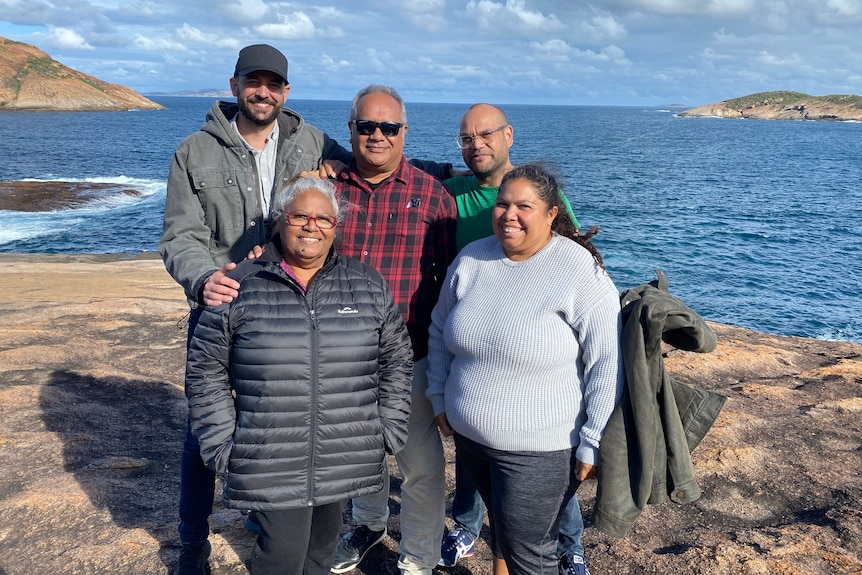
(545,184)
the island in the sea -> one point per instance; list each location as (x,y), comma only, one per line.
(32,80)
(785,105)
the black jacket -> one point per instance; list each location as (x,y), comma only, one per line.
(296,398)
(645,454)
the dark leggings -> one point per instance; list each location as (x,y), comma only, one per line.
(296,541)
(524,492)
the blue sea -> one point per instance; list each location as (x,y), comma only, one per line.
(756,223)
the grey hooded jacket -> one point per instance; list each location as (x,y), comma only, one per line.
(645,453)
(213,213)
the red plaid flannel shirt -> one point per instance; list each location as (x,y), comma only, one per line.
(405,228)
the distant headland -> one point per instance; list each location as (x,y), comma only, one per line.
(32,80)
(784,105)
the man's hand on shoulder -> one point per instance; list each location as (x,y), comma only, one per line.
(219,288)
(328,169)
(255,252)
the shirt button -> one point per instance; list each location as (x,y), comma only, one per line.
(230,181)
(253,224)
(364,253)
(248,189)
(369,224)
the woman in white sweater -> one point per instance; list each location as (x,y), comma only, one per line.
(524,366)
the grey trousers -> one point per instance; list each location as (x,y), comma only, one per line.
(423,489)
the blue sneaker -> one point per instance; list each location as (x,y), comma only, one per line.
(251,524)
(573,564)
(457,544)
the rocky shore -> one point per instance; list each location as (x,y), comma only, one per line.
(92,417)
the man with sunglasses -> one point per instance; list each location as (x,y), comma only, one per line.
(219,189)
(404,226)
(485,137)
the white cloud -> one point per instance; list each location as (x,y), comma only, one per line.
(158,44)
(845,7)
(427,15)
(295,26)
(191,34)
(245,11)
(511,15)
(609,27)
(66,39)
(609,54)
(683,7)
(765,58)
(330,64)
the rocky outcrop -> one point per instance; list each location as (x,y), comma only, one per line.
(32,80)
(39,196)
(784,106)
(92,416)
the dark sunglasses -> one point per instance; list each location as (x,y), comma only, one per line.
(367,127)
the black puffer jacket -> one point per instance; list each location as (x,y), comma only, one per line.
(295,398)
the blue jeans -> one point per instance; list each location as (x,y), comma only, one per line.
(468,512)
(197,483)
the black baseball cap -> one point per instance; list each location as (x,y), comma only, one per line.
(260,57)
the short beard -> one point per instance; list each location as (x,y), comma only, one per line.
(247,111)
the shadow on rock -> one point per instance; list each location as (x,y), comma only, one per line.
(122,441)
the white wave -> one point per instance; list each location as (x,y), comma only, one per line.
(21,226)
(846,333)
(17,226)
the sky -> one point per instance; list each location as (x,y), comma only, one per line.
(565,52)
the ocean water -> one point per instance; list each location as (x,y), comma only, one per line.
(756,223)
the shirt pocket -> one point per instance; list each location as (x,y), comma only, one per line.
(406,226)
(221,199)
(301,159)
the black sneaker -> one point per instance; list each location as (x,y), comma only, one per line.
(193,559)
(573,564)
(353,546)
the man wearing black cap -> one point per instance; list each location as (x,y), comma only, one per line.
(220,184)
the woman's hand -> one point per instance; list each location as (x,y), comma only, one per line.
(443,425)
(584,471)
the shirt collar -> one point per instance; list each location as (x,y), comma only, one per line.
(352,174)
(272,137)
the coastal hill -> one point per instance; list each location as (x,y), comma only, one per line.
(92,418)
(32,80)
(784,106)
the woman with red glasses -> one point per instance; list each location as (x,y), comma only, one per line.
(300,386)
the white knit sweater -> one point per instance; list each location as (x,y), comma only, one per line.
(525,356)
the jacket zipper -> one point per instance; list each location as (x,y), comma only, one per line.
(312,464)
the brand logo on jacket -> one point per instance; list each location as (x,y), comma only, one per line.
(348,310)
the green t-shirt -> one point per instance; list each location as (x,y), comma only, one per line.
(475,203)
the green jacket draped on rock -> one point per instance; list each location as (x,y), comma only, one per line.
(645,454)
